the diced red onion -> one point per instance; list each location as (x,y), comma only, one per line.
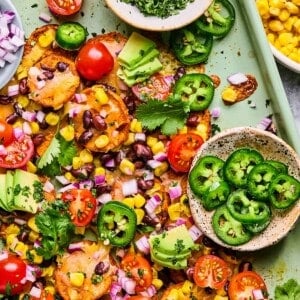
(30,274)
(195,232)
(190,273)
(175,191)
(115,290)
(17,41)
(86,184)
(80,98)
(16,31)
(151,205)
(69,187)
(152,163)
(110,163)
(13,90)
(48,187)
(140,136)
(40,84)
(237,78)
(75,247)
(26,128)
(216,112)
(9,57)
(104,198)
(3,151)
(3,255)
(128,285)
(37,244)
(143,245)
(149,292)
(264,123)
(120,252)
(2,62)
(20,221)
(180,221)
(62,179)
(35,292)
(45,17)
(103,113)
(161,156)
(148,175)
(29,116)
(99,179)
(258,294)
(8,15)
(18,132)
(7,46)
(129,187)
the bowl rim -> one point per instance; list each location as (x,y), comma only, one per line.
(125,11)
(203,221)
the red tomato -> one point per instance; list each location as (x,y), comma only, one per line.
(182,150)
(13,272)
(211,271)
(242,285)
(138,268)
(94,60)
(6,133)
(65,7)
(157,86)
(82,205)
(17,153)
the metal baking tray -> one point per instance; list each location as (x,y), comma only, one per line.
(245,50)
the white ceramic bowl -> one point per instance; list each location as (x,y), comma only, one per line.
(131,15)
(9,70)
(271,147)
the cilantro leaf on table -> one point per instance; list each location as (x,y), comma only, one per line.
(290,290)
(169,115)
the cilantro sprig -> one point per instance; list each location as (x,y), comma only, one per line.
(169,115)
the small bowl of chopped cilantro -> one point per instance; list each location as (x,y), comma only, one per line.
(158,15)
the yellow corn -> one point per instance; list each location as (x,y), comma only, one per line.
(76,162)
(201,129)
(174,211)
(22,249)
(130,140)
(23,101)
(173,295)
(102,141)
(52,118)
(80,230)
(12,229)
(35,127)
(263,7)
(46,39)
(284,15)
(218,297)
(37,259)
(164,166)
(99,171)
(276,25)
(151,141)
(139,201)
(86,156)
(77,278)
(32,225)
(187,287)
(296,2)
(33,236)
(101,96)
(68,133)
(70,176)
(49,289)
(129,201)
(274,11)
(158,147)
(126,166)
(48,272)
(157,283)
(136,126)
(140,213)
(292,8)
(31,167)
(183,130)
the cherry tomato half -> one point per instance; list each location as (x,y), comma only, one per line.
(241,285)
(94,60)
(82,205)
(13,272)
(17,153)
(211,271)
(65,7)
(139,269)
(182,150)
(6,133)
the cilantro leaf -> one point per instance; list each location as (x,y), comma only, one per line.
(290,290)
(52,151)
(169,115)
(67,151)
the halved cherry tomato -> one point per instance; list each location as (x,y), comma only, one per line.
(211,271)
(182,150)
(82,205)
(94,60)
(157,87)
(138,268)
(6,133)
(13,272)
(241,285)
(65,7)
(17,153)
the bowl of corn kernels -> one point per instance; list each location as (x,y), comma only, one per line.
(281,21)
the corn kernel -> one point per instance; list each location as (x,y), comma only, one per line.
(140,213)
(136,126)
(32,225)
(49,289)
(48,272)
(102,141)
(139,201)
(52,118)
(69,176)
(80,230)
(201,130)
(173,295)
(183,130)
(130,140)
(296,26)
(86,156)
(161,169)
(21,248)
(77,278)
(151,141)
(23,101)
(187,287)
(158,147)
(11,239)
(46,39)
(285,38)
(274,11)
(21,72)
(284,15)
(292,8)
(12,229)
(263,7)
(126,166)
(271,37)
(35,128)
(277,3)
(296,2)
(276,25)
(218,297)
(221,292)
(101,96)
(31,167)
(76,162)
(99,171)
(289,23)
(33,236)
(68,133)
(174,211)
(229,94)
(157,283)
(129,201)
(37,259)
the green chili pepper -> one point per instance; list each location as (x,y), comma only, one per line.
(228,229)
(116,222)
(197,89)
(239,164)
(218,19)
(284,191)
(278,165)
(190,46)
(257,227)
(245,210)
(259,180)
(206,173)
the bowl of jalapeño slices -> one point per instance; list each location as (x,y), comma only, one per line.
(244,184)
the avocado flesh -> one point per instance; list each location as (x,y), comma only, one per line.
(131,81)
(24,191)
(10,189)
(3,192)
(172,264)
(136,47)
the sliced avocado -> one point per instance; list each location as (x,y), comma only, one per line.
(146,69)
(136,47)
(168,257)
(173,242)
(9,189)
(131,81)
(148,57)
(24,191)
(3,204)
(172,264)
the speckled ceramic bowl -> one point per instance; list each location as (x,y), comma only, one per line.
(271,147)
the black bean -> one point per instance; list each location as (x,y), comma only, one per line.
(23,87)
(179,73)
(61,66)
(130,103)
(139,164)
(99,123)
(101,268)
(38,139)
(12,118)
(85,137)
(245,266)
(47,68)
(4,99)
(208,242)
(208,290)
(103,189)
(43,124)
(18,109)
(145,184)
(142,151)
(105,158)
(48,74)
(192,120)
(87,119)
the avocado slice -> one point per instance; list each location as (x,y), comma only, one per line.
(24,191)
(168,257)
(131,81)
(136,47)
(3,204)
(172,264)
(173,242)
(9,185)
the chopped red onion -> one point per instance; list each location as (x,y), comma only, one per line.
(75,247)
(195,232)
(149,292)
(20,221)
(115,290)
(18,132)
(17,41)
(110,163)
(161,156)
(152,163)
(175,191)
(130,187)
(30,274)
(74,111)
(237,78)
(9,57)
(216,112)
(151,205)
(258,294)
(16,31)
(26,128)
(99,179)
(128,285)
(104,198)
(140,136)
(3,151)
(86,184)
(45,17)
(29,116)
(48,187)
(103,113)
(62,179)
(148,175)
(13,90)
(35,292)
(180,221)
(264,123)
(3,255)
(80,98)
(69,187)
(143,245)
(40,84)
